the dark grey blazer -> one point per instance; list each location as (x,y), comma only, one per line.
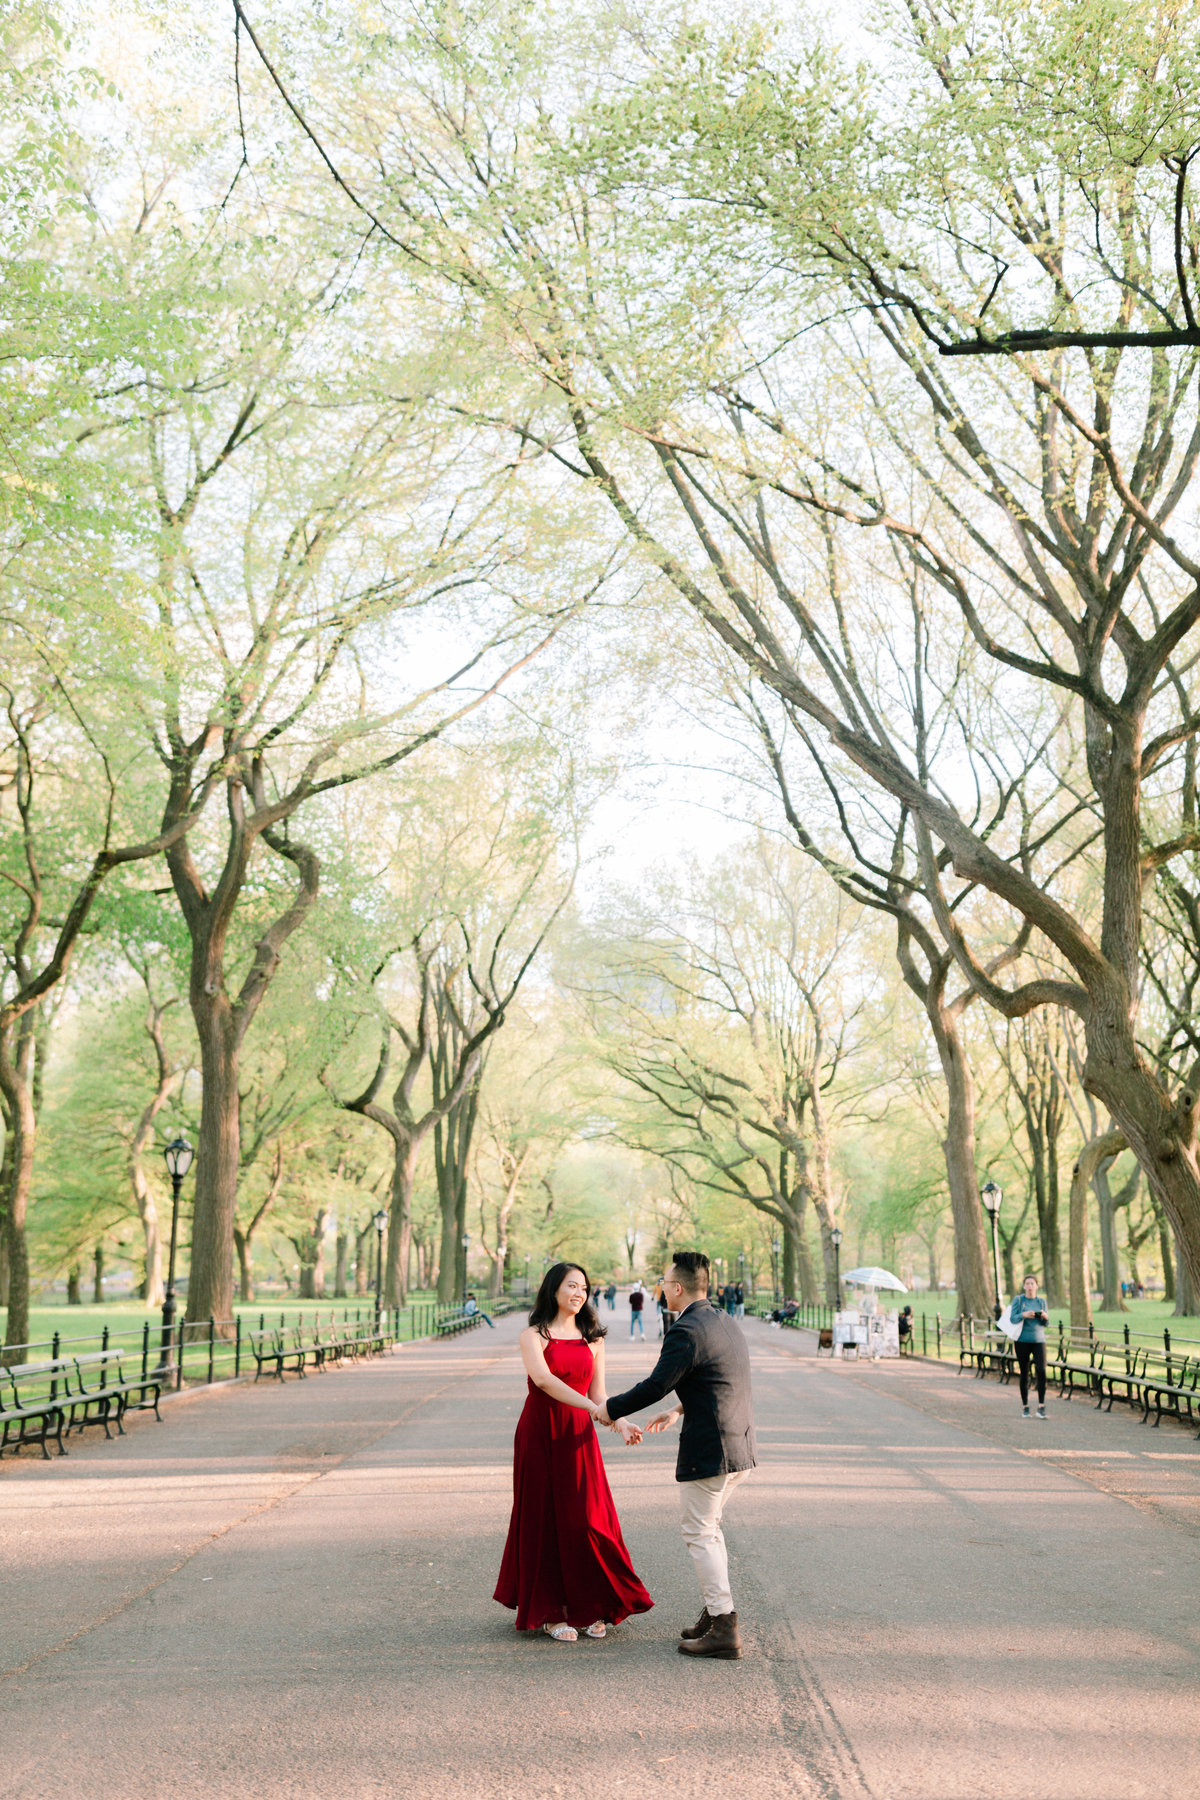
(706,1363)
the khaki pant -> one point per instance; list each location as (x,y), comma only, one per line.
(702,1504)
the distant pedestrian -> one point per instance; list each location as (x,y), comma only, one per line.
(610,1294)
(739,1301)
(904,1326)
(1031,1312)
(637,1301)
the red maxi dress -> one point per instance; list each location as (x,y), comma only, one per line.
(565,1560)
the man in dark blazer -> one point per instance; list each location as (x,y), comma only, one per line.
(705,1362)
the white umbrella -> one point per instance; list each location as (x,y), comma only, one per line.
(874,1278)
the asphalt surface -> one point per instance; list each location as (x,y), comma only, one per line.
(284,1593)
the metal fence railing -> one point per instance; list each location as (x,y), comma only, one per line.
(1169,1346)
(939,1337)
(200,1351)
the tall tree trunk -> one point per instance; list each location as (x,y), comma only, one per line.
(822,1189)
(1100,1151)
(210,1276)
(806,1274)
(449,1253)
(399,1233)
(1161,1133)
(6,1173)
(362,1259)
(1185,1291)
(790,1247)
(1168,1261)
(1051,1236)
(972,1284)
(222,1022)
(1008,1251)
(75,1286)
(152,1279)
(16,1056)
(241,1242)
(341,1265)
(452,1140)
(320,1225)
(1110,1266)
(98,1275)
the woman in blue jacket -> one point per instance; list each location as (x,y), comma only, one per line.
(1031,1312)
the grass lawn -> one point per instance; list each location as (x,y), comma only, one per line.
(82,1326)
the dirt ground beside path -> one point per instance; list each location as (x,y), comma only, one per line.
(285,1593)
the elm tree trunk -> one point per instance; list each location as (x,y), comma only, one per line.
(1110,1268)
(399,1235)
(972,1283)
(210,1277)
(16,1053)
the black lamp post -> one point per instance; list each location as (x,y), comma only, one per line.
(466,1244)
(835,1238)
(991,1197)
(380,1225)
(776,1247)
(178,1156)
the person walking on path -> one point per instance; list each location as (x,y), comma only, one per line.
(704,1360)
(1031,1312)
(565,1566)
(637,1302)
(610,1294)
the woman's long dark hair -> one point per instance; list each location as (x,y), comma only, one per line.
(545,1307)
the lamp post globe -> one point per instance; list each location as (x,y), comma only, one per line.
(992,1196)
(178,1156)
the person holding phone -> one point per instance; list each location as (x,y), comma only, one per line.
(1031,1312)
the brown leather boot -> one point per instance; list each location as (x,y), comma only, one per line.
(699,1629)
(722,1639)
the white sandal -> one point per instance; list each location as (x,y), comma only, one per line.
(598,1630)
(562,1634)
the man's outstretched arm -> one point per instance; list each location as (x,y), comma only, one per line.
(673,1364)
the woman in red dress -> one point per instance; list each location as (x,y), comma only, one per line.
(565,1566)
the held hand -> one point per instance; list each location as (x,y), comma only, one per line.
(602,1418)
(630,1433)
(661,1421)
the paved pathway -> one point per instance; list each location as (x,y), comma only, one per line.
(281,1594)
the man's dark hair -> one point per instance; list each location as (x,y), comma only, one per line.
(691,1266)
